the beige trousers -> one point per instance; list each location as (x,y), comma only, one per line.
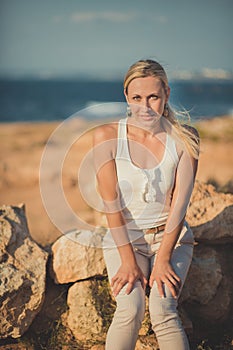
(129,314)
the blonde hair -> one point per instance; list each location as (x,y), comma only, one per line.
(183,132)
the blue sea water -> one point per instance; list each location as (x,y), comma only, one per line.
(48,100)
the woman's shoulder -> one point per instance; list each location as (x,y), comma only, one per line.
(188,135)
(105,132)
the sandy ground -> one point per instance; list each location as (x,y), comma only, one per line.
(22,146)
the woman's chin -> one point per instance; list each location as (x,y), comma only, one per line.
(148,119)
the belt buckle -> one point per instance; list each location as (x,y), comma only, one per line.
(153,230)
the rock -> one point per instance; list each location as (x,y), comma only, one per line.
(185,319)
(19,346)
(98,347)
(210,215)
(90,309)
(147,342)
(146,327)
(77,256)
(22,273)
(204,276)
(207,293)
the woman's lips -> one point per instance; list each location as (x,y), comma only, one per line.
(147,116)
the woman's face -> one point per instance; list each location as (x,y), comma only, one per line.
(147,97)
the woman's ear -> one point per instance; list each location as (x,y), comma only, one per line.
(168,90)
(126,96)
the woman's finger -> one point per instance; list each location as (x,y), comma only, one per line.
(117,287)
(174,281)
(117,278)
(172,288)
(144,282)
(160,287)
(113,280)
(129,287)
(175,276)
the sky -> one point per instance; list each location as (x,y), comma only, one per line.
(103,38)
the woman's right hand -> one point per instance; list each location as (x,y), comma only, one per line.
(127,274)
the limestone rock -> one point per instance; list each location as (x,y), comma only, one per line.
(98,347)
(207,292)
(210,214)
(204,277)
(22,273)
(90,309)
(147,342)
(77,256)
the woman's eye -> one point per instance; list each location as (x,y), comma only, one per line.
(154,97)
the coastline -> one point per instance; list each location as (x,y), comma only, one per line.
(22,145)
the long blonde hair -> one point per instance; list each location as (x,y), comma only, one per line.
(183,132)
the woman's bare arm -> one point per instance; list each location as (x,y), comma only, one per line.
(184,182)
(104,150)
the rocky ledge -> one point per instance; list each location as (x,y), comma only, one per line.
(73,291)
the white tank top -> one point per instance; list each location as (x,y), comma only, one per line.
(145,193)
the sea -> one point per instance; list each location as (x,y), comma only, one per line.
(35,100)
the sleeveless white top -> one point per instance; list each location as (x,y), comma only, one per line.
(145,194)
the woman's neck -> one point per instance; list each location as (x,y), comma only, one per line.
(144,131)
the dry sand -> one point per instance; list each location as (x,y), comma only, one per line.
(22,145)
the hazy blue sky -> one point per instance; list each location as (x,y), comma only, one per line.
(104,37)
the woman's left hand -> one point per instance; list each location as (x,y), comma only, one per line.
(163,273)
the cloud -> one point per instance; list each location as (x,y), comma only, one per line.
(110,16)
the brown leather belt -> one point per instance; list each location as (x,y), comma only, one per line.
(154,230)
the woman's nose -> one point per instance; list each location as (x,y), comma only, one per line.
(145,104)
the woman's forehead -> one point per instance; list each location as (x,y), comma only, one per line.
(144,84)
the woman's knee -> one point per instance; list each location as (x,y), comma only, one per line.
(163,311)
(131,306)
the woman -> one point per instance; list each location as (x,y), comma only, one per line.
(146,165)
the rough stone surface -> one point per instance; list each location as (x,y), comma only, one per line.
(210,215)
(22,273)
(84,319)
(77,256)
(207,293)
(147,342)
(205,276)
